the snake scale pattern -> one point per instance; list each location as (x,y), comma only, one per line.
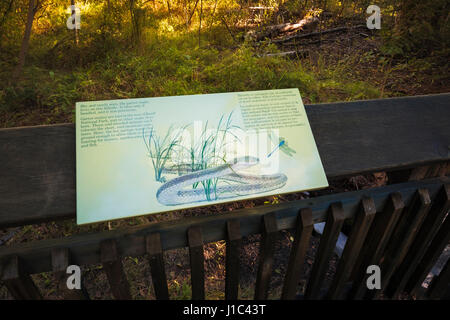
(179,190)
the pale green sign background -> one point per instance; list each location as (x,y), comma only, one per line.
(151,155)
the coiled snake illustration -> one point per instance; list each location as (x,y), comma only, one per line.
(176,191)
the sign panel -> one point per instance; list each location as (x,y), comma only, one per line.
(151,155)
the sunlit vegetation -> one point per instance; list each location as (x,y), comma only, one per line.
(137,48)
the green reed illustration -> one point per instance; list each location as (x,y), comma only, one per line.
(160,149)
(210,151)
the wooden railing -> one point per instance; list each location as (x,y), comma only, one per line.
(402,227)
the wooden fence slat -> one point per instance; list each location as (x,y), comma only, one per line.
(375,243)
(363,220)
(156,260)
(333,225)
(440,285)
(112,264)
(402,237)
(303,233)
(197,259)
(60,261)
(18,282)
(433,252)
(234,241)
(439,208)
(266,250)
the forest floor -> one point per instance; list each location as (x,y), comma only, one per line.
(345,66)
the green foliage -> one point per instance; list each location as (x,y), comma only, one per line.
(137,48)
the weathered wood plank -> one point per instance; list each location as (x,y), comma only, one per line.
(375,243)
(156,260)
(420,173)
(363,221)
(302,236)
(404,233)
(266,250)
(440,207)
(41,185)
(234,241)
(60,261)
(333,226)
(437,245)
(197,259)
(112,264)
(84,248)
(440,286)
(18,281)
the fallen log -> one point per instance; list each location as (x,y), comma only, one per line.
(312,34)
(290,54)
(306,24)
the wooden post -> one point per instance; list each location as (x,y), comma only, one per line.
(402,238)
(112,264)
(303,233)
(437,245)
(269,236)
(60,262)
(363,221)
(18,282)
(335,220)
(440,207)
(197,259)
(234,241)
(375,243)
(156,260)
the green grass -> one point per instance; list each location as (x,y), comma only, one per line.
(166,67)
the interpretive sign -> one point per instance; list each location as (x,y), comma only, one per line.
(151,155)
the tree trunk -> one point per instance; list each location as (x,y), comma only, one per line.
(72,2)
(32,8)
(200,24)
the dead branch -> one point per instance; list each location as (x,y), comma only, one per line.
(306,24)
(318,33)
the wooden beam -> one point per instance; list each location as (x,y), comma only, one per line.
(37,166)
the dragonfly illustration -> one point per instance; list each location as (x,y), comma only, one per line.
(281,144)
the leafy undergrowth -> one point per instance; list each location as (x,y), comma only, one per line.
(348,68)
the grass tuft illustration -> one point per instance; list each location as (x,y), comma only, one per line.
(160,149)
(210,151)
